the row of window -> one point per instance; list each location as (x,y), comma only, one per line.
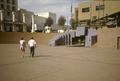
(87,9)
(8,1)
(8,7)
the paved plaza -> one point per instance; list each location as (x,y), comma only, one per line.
(60,63)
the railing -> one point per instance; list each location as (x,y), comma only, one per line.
(71,37)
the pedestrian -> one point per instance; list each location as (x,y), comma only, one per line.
(22,46)
(32,45)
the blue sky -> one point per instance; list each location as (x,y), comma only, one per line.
(60,7)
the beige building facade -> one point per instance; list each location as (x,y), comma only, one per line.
(102,10)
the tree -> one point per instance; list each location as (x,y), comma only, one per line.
(61,21)
(49,21)
(73,23)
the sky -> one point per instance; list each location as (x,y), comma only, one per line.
(60,7)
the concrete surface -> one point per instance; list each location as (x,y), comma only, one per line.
(59,64)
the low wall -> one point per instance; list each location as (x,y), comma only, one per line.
(14,37)
(107,37)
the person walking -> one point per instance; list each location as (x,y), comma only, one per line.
(32,45)
(22,46)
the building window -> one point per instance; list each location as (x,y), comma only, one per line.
(13,1)
(8,13)
(13,8)
(87,9)
(100,7)
(2,6)
(8,7)
(2,0)
(8,1)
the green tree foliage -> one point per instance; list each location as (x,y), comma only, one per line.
(61,21)
(73,23)
(49,21)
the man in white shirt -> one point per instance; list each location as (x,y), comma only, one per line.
(22,45)
(32,45)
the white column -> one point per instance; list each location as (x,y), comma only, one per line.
(1,20)
(24,27)
(88,41)
(35,27)
(23,17)
(13,20)
(33,24)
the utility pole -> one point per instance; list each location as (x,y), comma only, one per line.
(104,20)
(71,8)
(99,16)
(67,21)
(90,13)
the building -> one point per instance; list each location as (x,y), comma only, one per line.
(25,18)
(48,14)
(7,7)
(40,23)
(98,13)
(21,20)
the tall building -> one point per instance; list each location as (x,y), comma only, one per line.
(98,11)
(7,7)
(48,14)
(24,17)
(40,22)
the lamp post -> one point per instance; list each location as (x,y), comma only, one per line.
(71,9)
